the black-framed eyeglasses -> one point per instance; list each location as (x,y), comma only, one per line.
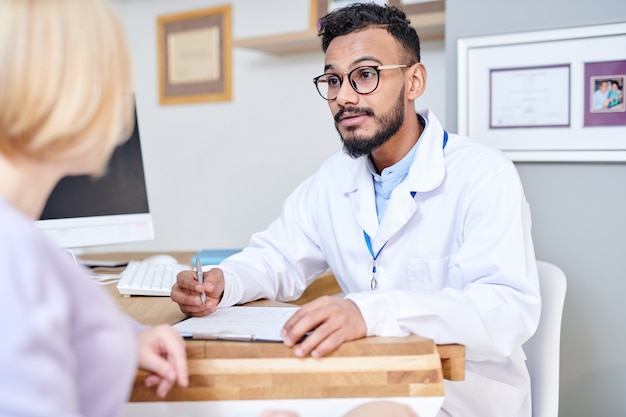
(363,80)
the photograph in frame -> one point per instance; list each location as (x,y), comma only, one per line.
(604,93)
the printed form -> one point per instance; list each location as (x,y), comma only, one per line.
(246,324)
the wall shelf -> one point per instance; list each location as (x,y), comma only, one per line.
(429,26)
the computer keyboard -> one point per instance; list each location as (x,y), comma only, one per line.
(149,278)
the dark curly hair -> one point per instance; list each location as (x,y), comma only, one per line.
(359,16)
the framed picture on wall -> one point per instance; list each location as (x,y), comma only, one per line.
(335,4)
(604,93)
(532,94)
(411,7)
(194,52)
(419,6)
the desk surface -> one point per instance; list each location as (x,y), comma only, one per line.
(370,367)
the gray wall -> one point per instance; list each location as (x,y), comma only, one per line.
(578,213)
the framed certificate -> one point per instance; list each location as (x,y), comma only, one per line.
(529,97)
(195,51)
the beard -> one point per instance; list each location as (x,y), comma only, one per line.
(388,124)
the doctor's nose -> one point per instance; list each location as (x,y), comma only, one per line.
(347,94)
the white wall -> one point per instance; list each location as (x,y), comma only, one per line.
(218,172)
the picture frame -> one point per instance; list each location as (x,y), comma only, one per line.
(565,63)
(604,96)
(411,7)
(320,8)
(195,56)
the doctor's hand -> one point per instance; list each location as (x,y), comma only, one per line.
(186,292)
(331,321)
(161,351)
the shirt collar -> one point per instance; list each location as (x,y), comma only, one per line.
(426,165)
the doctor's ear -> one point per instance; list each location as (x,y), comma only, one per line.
(416,81)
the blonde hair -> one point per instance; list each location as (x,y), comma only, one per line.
(65,79)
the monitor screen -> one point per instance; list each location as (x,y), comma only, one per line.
(83,211)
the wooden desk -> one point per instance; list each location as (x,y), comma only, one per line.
(407,368)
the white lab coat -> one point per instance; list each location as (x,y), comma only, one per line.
(458,265)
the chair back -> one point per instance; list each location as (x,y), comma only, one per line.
(543,348)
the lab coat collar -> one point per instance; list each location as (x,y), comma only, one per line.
(428,170)
(361,192)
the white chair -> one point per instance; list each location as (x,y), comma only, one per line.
(543,349)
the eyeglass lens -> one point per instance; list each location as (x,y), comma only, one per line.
(363,80)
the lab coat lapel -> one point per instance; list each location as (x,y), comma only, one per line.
(361,193)
(399,211)
(428,169)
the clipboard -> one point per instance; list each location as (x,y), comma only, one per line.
(238,323)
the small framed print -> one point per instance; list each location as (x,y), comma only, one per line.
(320,8)
(195,50)
(604,93)
(412,7)
(336,4)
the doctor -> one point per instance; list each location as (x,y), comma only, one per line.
(427,232)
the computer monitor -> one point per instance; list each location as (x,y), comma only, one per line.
(83,211)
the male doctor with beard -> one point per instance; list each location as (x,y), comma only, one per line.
(426,232)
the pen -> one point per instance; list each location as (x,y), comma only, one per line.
(237,337)
(200,277)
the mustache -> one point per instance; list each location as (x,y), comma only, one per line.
(363,110)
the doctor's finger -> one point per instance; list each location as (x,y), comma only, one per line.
(190,302)
(187,280)
(215,279)
(323,340)
(304,320)
(193,310)
(311,312)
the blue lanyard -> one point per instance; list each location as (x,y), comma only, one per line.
(368,241)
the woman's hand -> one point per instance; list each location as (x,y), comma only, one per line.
(162,352)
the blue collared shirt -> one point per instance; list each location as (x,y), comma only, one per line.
(389,178)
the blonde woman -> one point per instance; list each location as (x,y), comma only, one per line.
(65,103)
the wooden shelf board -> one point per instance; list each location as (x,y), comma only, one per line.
(429,27)
(282,44)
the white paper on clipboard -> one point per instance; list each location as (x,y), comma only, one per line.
(239,323)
